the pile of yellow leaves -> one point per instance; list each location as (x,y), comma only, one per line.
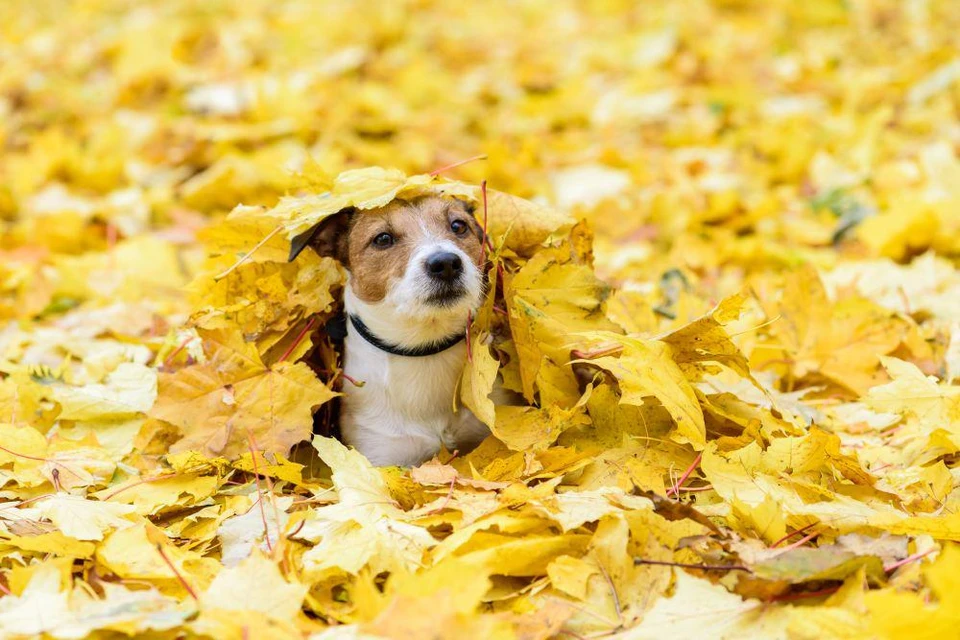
(725,237)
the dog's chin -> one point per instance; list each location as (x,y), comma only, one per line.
(447,296)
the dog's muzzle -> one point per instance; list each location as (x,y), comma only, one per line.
(445,271)
(445,267)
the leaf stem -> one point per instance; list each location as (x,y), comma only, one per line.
(702,567)
(298,339)
(675,489)
(791,534)
(893,566)
(180,578)
(436,172)
(256,477)
(247,255)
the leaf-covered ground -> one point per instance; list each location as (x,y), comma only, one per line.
(742,417)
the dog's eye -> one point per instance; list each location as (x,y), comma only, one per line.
(459,227)
(383,240)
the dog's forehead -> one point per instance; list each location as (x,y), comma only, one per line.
(425,212)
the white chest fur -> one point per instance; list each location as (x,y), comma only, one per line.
(405,408)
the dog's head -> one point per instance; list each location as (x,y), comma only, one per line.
(421,257)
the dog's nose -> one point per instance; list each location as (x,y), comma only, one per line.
(444,266)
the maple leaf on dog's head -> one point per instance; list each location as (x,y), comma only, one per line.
(516,224)
(359,188)
(522,226)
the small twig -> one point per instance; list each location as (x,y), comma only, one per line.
(446,499)
(163,476)
(675,489)
(613,590)
(791,534)
(702,567)
(247,255)
(802,541)
(353,381)
(256,477)
(599,352)
(436,172)
(469,340)
(297,530)
(804,594)
(23,455)
(10,505)
(299,339)
(893,566)
(48,461)
(176,352)
(709,487)
(273,500)
(486,238)
(183,581)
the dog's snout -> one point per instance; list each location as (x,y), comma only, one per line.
(445,266)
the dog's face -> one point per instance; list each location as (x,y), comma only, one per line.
(422,257)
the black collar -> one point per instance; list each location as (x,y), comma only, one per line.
(429,349)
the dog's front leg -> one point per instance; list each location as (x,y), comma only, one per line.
(465,431)
(392,449)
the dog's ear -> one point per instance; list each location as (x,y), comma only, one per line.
(328,237)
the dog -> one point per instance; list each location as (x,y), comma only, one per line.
(414,277)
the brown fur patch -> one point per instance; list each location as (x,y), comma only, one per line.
(373,270)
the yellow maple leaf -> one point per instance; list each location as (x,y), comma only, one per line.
(129,389)
(365,528)
(841,341)
(935,405)
(523,226)
(84,519)
(902,615)
(368,188)
(276,597)
(547,303)
(219,405)
(142,552)
(646,368)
